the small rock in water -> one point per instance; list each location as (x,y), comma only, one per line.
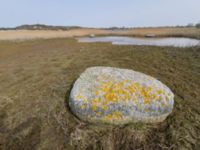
(120,96)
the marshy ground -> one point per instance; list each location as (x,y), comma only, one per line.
(36,77)
(191,32)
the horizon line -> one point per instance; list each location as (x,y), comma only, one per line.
(78,26)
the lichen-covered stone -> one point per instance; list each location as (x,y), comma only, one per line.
(120,96)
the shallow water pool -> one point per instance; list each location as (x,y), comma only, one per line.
(121,40)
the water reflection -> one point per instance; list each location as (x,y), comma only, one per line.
(119,40)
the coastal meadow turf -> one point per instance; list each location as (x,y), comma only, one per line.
(36,77)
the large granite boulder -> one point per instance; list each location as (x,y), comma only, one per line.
(120,96)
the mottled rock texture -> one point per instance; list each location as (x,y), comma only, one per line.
(119,96)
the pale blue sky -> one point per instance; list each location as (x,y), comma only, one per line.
(99,13)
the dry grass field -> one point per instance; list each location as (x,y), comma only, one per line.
(46,34)
(37,75)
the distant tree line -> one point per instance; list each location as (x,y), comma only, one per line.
(41,27)
(49,27)
(198,25)
(194,25)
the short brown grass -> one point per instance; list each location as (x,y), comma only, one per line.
(35,81)
(46,34)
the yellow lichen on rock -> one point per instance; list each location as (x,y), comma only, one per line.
(80,97)
(125,90)
(113,116)
(94,107)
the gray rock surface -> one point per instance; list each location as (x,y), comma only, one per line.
(119,96)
